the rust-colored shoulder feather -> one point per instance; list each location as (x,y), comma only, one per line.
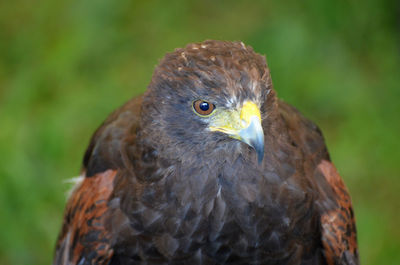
(338,225)
(83,239)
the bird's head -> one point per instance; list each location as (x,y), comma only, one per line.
(209,95)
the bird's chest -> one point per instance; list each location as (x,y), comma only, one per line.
(220,218)
(256,219)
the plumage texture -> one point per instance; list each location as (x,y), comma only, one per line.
(160,188)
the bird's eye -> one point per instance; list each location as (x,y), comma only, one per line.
(203,108)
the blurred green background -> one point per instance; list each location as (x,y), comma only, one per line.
(64,65)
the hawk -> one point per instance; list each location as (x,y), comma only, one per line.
(208,167)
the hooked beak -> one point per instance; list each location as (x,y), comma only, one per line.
(253,135)
(244,126)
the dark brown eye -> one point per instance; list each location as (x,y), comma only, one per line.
(203,108)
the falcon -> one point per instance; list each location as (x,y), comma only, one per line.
(208,167)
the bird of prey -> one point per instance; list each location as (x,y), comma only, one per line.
(208,167)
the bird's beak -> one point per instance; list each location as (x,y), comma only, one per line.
(244,125)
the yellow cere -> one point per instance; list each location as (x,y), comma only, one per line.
(232,121)
(249,110)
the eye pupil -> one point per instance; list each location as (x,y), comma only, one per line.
(204,106)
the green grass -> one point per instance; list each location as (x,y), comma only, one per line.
(64,65)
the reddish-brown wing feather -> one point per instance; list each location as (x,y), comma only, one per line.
(83,239)
(338,225)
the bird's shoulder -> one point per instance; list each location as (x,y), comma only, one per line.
(84,238)
(109,144)
(303,133)
(333,202)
